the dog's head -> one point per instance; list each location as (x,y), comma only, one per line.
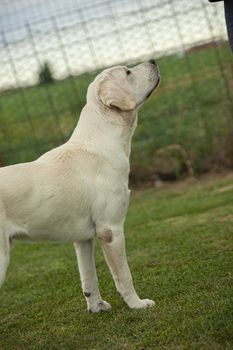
(123,88)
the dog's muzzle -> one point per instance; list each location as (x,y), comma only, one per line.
(157,83)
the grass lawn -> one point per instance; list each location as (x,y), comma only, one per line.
(180,250)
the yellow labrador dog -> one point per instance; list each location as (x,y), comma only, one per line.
(80,189)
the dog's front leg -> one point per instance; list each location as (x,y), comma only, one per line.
(85,256)
(113,245)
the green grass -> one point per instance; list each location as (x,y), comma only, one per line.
(180,250)
(192,107)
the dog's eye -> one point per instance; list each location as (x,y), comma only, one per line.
(128,72)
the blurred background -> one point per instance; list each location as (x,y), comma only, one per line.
(51,50)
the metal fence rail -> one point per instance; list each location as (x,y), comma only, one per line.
(193,107)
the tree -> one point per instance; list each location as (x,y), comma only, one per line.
(46,74)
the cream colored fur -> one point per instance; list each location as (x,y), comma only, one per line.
(80,189)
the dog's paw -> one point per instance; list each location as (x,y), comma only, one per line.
(142,303)
(100,306)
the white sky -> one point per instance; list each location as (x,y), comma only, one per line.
(76,36)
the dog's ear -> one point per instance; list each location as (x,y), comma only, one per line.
(113,95)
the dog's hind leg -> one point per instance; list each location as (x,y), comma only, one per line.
(4,261)
(4,248)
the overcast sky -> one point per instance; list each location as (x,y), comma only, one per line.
(14,13)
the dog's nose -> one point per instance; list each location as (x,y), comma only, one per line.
(152,61)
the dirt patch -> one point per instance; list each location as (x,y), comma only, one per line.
(228,218)
(224,189)
(180,186)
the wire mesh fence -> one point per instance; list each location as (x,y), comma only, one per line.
(72,41)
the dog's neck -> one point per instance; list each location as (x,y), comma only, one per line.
(106,128)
